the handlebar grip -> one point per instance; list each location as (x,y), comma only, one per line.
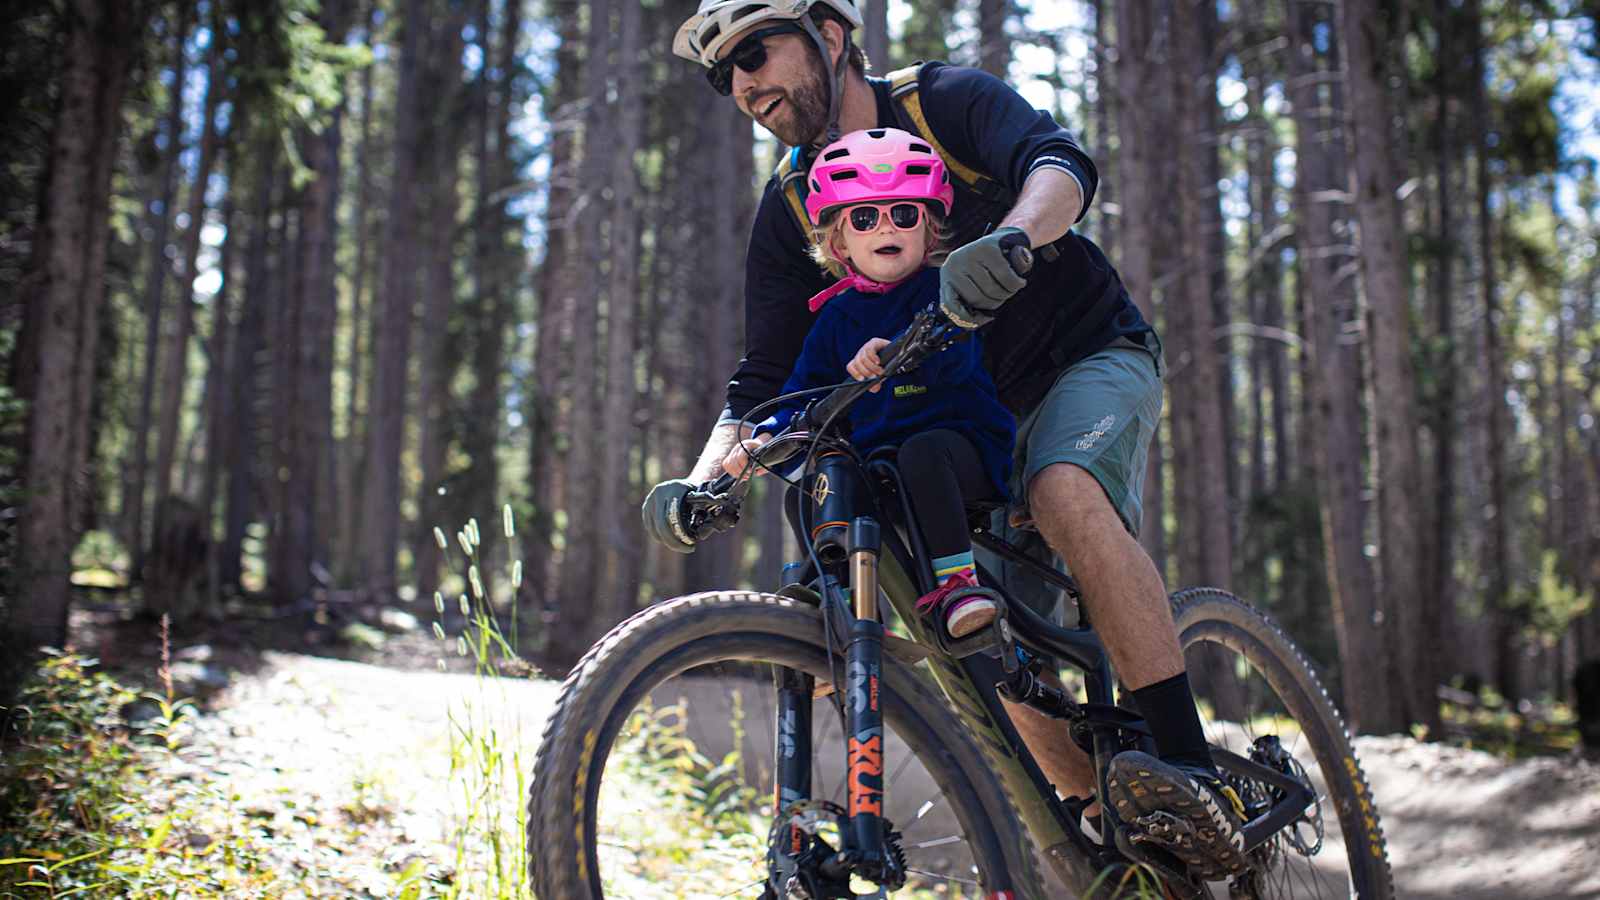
(1018,253)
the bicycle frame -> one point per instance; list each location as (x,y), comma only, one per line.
(864,526)
(850,508)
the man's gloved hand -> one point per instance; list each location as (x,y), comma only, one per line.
(977,278)
(660,511)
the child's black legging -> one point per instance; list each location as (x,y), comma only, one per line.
(942,472)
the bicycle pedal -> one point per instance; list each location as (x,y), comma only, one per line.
(993,637)
(1165,828)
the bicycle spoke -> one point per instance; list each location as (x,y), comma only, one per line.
(946,878)
(938,842)
(739,890)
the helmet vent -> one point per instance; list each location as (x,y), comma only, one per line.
(842,175)
(918,169)
(921,148)
(876,132)
(835,154)
(815,186)
(710,34)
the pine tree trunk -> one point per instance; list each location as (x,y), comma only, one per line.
(557,286)
(221,355)
(1439,591)
(350,477)
(1105,86)
(391,340)
(1497,565)
(1368,44)
(994,45)
(1328,300)
(617,513)
(1142,97)
(1198,426)
(309,484)
(62,291)
(177,353)
(282,408)
(875,34)
(154,302)
(245,392)
(439,346)
(579,621)
(1204,554)
(494,268)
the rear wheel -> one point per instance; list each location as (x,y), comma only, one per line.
(655,773)
(1260,699)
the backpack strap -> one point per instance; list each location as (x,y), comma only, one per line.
(904,87)
(791,175)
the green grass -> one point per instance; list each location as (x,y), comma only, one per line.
(489,765)
(84,810)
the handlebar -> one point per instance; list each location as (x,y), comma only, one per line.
(714,506)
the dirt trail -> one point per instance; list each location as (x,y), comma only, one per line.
(364,753)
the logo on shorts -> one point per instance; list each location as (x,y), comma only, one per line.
(1088,441)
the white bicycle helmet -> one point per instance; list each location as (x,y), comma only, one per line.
(716,21)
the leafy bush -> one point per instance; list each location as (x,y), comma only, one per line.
(84,808)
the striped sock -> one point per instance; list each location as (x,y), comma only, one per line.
(956,564)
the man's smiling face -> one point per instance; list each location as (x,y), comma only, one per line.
(787,96)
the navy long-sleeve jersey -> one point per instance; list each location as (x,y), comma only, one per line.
(982,122)
(949,390)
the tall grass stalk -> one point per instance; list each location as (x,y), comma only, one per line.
(489,761)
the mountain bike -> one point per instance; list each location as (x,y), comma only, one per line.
(791,745)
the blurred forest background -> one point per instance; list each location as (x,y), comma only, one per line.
(292,291)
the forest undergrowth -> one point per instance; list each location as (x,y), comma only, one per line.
(107,790)
(111,791)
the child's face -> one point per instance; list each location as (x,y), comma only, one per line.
(892,245)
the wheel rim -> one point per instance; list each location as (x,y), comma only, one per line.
(1242,710)
(683,804)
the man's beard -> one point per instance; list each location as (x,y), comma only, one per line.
(808,111)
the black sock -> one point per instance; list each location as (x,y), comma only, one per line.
(1169,711)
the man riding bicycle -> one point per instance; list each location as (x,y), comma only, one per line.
(1068,351)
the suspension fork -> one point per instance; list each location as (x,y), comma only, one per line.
(863,671)
(792,765)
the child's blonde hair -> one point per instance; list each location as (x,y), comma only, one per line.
(934,234)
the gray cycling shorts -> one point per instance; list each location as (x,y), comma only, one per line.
(1100,415)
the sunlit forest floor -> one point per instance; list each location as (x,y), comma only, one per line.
(380,775)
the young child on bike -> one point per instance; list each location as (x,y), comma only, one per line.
(877,204)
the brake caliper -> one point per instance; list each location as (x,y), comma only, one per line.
(1268,751)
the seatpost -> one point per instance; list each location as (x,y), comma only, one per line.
(864,669)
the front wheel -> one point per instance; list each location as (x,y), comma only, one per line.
(1259,698)
(655,773)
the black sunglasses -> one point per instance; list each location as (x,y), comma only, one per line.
(864,218)
(749,54)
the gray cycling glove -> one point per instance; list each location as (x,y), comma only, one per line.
(660,514)
(977,278)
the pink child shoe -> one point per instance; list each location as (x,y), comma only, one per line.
(968,615)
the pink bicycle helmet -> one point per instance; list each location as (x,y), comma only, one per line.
(877,164)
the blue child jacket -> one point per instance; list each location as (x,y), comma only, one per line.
(951,389)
